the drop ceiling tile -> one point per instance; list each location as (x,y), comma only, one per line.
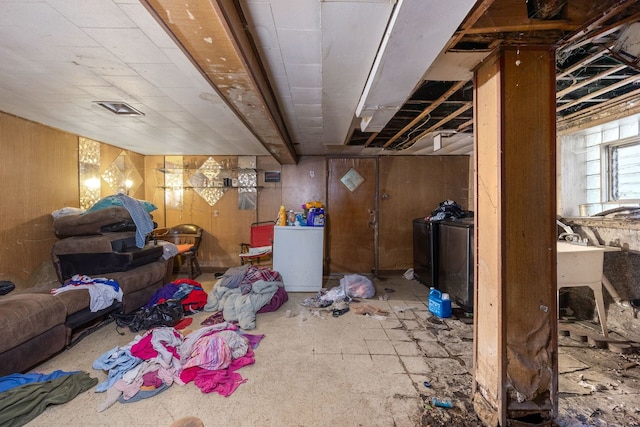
(92,13)
(281,86)
(190,95)
(348,59)
(97,60)
(143,19)
(303,95)
(308,122)
(102,93)
(70,73)
(312,131)
(273,61)
(35,22)
(161,104)
(133,86)
(301,47)
(260,21)
(304,75)
(185,66)
(129,45)
(296,15)
(163,75)
(309,110)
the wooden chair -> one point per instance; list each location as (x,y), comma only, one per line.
(261,245)
(187,238)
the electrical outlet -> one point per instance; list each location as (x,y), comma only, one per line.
(312,173)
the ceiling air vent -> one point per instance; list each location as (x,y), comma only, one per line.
(120,108)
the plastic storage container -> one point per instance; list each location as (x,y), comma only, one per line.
(439,303)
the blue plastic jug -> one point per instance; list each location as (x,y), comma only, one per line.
(439,303)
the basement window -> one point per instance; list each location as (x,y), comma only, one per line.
(624,171)
(600,168)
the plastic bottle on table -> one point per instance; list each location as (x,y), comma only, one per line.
(282,218)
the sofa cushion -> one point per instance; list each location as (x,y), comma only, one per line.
(92,222)
(75,300)
(140,277)
(24,316)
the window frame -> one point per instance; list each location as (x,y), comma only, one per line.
(608,167)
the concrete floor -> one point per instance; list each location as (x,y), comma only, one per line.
(313,369)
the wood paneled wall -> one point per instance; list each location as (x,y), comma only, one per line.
(39,173)
(411,187)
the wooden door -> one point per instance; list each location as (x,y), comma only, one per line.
(351,215)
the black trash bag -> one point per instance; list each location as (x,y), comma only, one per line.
(447,209)
(168,313)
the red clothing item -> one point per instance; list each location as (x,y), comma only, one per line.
(196,300)
(222,381)
(144,350)
(187,281)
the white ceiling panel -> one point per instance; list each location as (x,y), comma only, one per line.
(61,55)
(66,54)
(304,75)
(297,15)
(141,17)
(306,95)
(348,59)
(409,48)
(92,13)
(134,86)
(98,60)
(130,45)
(301,46)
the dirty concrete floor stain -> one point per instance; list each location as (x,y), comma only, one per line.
(313,369)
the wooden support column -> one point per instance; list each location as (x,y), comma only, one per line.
(515,346)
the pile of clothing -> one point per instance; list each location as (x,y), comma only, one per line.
(447,209)
(166,307)
(102,291)
(244,291)
(189,292)
(209,357)
(25,396)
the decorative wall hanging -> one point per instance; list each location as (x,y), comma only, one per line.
(89,171)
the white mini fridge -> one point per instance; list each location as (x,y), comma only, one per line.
(297,256)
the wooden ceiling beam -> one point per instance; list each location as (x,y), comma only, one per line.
(453,89)
(532,26)
(598,21)
(371,138)
(478,11)
(589,59)
(597,93)
(588,81)
(465,125)
(615,108)
(602,32)
(444,121)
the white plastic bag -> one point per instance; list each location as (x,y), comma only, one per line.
(356,286)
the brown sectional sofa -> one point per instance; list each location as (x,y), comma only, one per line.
(37,325)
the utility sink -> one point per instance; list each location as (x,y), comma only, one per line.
(580,265)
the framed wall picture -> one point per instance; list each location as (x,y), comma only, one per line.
(272,176)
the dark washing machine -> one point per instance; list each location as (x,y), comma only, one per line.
(425,251)
(456,261)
